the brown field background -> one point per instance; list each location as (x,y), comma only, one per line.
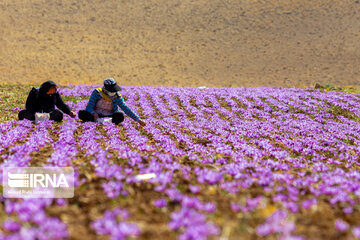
(181,42)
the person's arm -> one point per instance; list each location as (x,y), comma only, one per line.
(30,104)
(61,105)
(94,98)
(121,103)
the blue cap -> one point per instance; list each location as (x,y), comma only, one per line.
(111,85)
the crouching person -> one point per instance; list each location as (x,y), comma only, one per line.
(44,99)
(104,102)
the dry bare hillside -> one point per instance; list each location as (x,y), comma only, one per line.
(181,42)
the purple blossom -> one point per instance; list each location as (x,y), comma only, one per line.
(194,223)
(348,210)
(111,225)
(162,202)
(174,195)
(308,203)
(61,202)
(11,226)
(209,176)
(277,223)
(356,231)
(208,207)
(341,225)
(113,189)
(238,207)
(194,189)
(253,202)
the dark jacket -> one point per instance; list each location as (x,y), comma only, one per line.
(39,101)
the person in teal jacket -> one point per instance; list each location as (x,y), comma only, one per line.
(105,102)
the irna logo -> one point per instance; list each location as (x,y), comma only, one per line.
(20,180)
(38,182)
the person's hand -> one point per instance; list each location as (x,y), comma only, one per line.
(96,116)
(72,114)
(142,122)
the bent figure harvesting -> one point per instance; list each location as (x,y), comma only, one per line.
(105,102)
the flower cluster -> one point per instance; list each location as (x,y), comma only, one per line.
(33,222)
(114,223)
(278,223)
(194,223)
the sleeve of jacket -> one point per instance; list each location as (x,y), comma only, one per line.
(121,103)
(61,105)
(30,104)
(95,96)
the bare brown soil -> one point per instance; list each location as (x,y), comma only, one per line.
(291,43)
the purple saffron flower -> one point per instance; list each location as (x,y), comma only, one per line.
(356,231)
(109,225)
(237,207)
(125,229)
(174,195)
(308,203)
(253,202)
(162,202)
(209,176)
(194,224)
(341,225)
(39,217)
(11,226)
(194,189)
(113,189)
(348,210)
(264,230)
(52,228)
(61,202)
(277,223)
(209,207)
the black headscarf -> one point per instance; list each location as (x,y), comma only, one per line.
(44,88)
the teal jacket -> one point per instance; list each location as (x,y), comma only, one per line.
(117,102)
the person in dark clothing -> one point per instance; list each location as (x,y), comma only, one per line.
(44,99)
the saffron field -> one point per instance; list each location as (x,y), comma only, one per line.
(229,163)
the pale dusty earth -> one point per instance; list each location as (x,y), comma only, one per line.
(221,43)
